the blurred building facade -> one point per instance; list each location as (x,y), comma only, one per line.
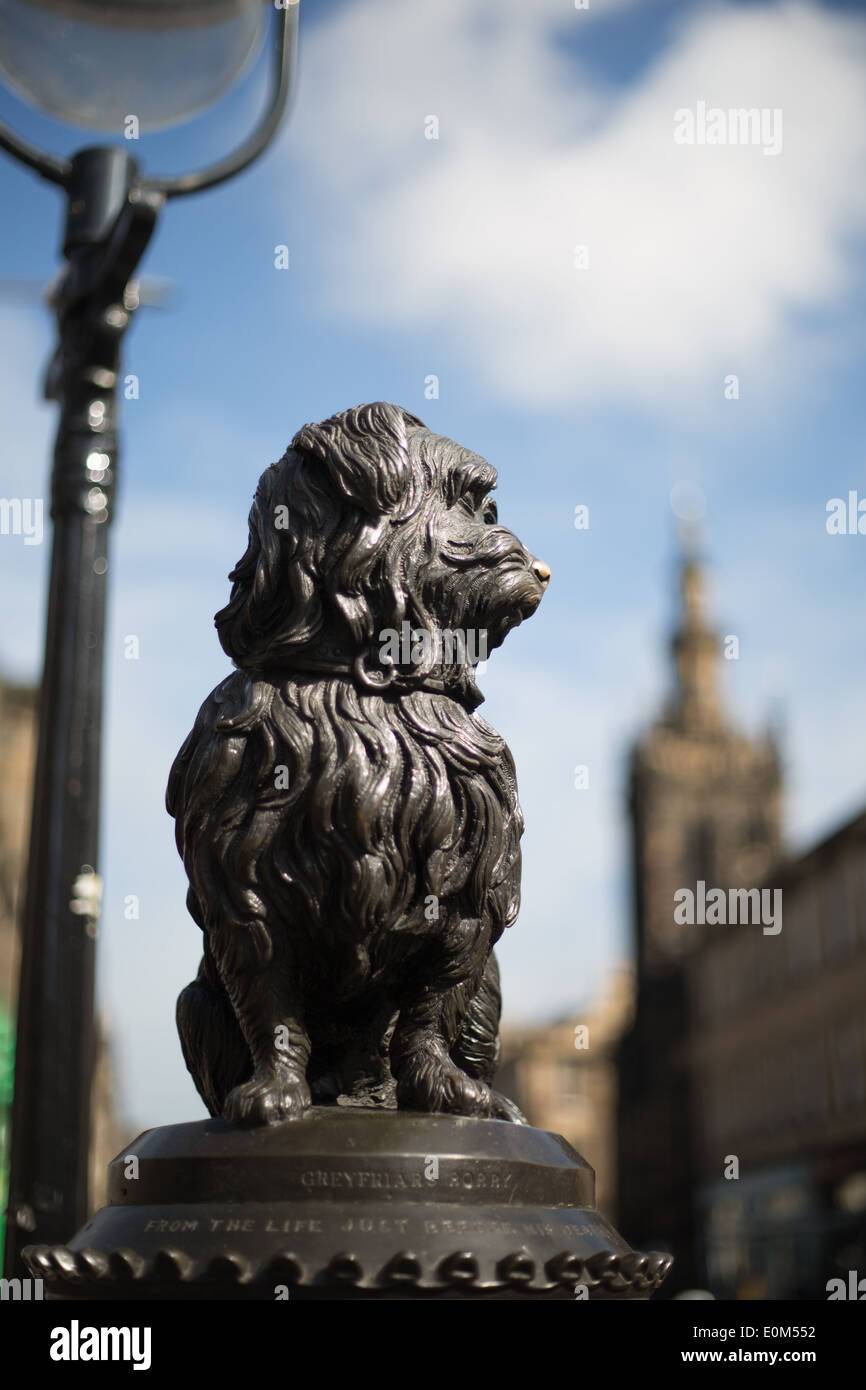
(18,726)
(778,1057)
(563,1076)
(742,1087)
(18,745)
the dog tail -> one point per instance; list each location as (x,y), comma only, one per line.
(213,1045)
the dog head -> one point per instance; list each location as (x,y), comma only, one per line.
(375,549)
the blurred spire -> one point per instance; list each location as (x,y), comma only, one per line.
(695,645)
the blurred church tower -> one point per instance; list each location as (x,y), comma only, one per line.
(704,805)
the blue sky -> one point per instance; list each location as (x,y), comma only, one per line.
(603,386)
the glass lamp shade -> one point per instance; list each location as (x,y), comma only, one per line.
(96,63)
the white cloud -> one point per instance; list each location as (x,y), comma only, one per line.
(699,256)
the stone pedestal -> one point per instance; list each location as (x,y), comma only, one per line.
(349,1203)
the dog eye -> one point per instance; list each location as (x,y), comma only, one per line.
(476,500)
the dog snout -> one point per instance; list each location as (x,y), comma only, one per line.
(541,572)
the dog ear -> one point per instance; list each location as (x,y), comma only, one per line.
(366,452)
(275,608)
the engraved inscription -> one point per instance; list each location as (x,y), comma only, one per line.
(295,1225)
(368,1225)
(173,1226)
(464,1180)
(393,1182)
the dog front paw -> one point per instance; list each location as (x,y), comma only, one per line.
(267,1100)
(504,1109)
(434,1084)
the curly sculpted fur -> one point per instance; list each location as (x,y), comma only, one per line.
(349,825)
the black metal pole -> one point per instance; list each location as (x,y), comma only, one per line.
(111,213)
(110,219)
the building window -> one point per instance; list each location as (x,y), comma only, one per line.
(701,853)
(856,870)
(840,928)
(781,1089)
(802,919)
(813,1082)
(849,1076)
(570,1082)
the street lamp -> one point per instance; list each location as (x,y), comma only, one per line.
(94,62)
(97,63)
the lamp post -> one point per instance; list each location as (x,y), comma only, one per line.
(94,62)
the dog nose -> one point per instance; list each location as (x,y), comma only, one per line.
(541,572)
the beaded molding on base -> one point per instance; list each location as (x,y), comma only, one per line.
(615,1274)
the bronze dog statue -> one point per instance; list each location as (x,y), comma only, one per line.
(349,825)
